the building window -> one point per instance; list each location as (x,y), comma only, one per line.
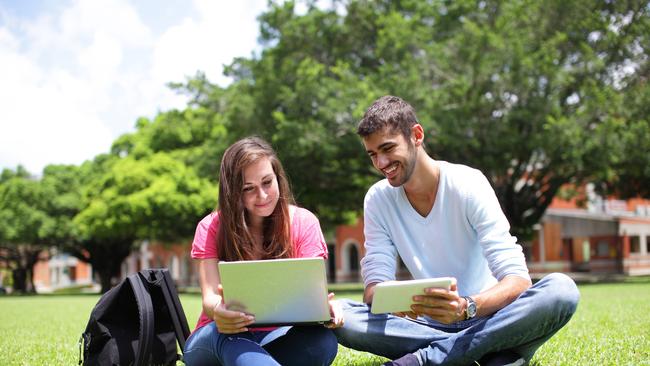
(602,249)
(635,244)
(353,255)
(174,268)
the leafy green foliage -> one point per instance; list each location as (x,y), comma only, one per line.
(22,216)
(157,197)
(29,221)
(529,92)
(153,198)
(629,175)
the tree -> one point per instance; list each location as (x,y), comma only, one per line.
(128,199)
(530,96)
(195,136)
(529,92)
(304,96)
(62,187)
(24,225)
(630,174)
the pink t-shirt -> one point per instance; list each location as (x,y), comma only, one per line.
(306,236)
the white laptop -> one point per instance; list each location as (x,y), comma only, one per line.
(278,291)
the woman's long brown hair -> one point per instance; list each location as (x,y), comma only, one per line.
(234,240)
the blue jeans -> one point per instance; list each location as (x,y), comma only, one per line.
(302,345)
(522,327)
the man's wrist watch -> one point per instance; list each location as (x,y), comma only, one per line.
(470,309)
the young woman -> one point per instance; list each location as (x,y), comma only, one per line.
(255,220)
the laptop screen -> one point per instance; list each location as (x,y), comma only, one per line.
(278,291)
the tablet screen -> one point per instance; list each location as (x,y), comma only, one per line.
(397,296)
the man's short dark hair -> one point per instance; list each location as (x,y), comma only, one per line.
(388,112)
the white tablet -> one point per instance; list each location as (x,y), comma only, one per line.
(278,291)
(397,296)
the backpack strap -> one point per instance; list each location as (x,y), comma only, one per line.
(176,313)
(145,310)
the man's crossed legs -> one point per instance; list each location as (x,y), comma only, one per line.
(521,327)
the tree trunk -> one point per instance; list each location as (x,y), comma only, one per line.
(106,269)
(32,257)
(19,276)
(105,257)
(23,258)
(105,280)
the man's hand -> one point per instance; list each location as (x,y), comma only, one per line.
(404,314)
(444,306)
(369,293)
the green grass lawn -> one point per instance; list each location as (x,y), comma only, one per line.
(611,327)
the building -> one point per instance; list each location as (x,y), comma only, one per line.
(57,270)
(607,236)
(175,257)
(348,251)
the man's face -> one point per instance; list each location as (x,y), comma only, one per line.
(392,154)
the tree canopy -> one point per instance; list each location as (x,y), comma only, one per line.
(34,215)
(531,93)
(128,200)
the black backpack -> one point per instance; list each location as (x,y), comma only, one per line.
(136,323)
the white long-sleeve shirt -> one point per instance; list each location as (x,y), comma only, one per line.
(466,235)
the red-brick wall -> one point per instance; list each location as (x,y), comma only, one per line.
(349,232)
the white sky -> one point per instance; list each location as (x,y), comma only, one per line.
(76,74)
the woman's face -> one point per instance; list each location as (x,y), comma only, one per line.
(260,192)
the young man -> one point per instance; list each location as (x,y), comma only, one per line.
(445,220)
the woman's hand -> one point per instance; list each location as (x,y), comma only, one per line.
(229,321)
(336,312)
